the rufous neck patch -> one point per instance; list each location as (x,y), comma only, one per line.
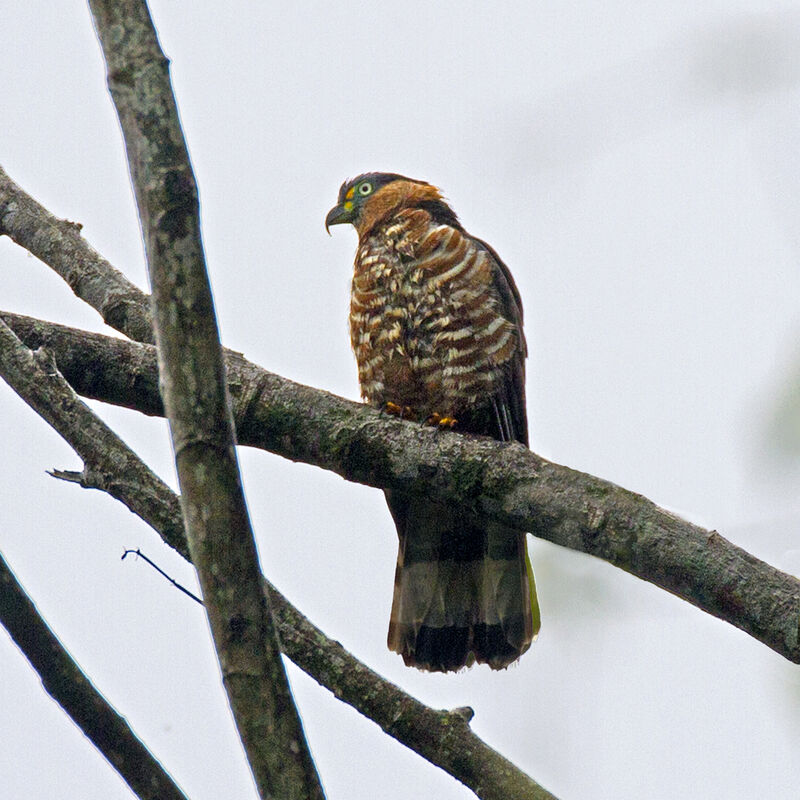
(391,198)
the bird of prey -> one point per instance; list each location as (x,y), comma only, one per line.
(436,327)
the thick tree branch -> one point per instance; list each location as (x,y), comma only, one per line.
(35,378)
(194,390)
(503,482)
(442,737)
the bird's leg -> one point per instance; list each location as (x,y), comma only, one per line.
(440,421)
(404,412)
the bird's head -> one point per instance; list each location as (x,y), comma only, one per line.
(371,197)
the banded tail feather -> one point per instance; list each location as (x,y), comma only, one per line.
(463,591)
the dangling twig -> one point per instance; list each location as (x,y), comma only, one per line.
(140,554)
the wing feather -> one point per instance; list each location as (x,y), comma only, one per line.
(509,401)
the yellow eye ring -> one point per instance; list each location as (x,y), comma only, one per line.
(365,188)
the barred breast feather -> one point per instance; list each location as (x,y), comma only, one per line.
(426,321)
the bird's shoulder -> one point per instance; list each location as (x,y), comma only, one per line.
(416,234)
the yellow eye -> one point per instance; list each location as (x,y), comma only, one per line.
(365,188)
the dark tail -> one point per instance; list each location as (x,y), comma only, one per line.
(463,589)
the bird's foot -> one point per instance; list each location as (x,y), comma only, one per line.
(404,412)
(438,421)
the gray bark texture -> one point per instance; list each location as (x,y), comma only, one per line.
(59,244)
(194,390)
(73,691)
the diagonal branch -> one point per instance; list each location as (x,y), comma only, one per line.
(71,689)
(503,482)
(35,378)
(59,244)
(194,390)
(442,737)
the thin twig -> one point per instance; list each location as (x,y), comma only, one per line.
(442,737)
(139,554)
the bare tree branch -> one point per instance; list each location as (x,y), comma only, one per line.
(39,383)
(75,351)
(59,244)
(442,737)
(194,390)
(500,481)
(109,464)
(71,689)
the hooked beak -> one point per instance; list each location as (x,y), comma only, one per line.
(337,216)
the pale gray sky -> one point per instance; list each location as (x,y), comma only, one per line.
(636,166)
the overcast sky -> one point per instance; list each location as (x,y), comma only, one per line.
(635,164)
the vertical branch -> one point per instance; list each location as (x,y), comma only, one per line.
(193,387)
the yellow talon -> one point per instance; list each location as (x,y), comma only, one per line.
(441,422)
(398,411)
